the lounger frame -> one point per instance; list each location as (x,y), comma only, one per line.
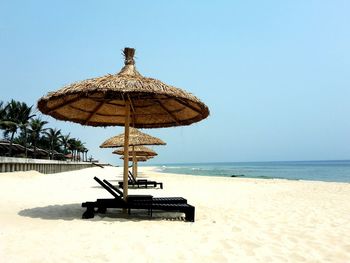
(146,202)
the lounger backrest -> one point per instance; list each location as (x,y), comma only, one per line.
(107,188)
(132,179)
(120,193)
(131,176)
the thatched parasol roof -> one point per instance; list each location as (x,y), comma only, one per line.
(138,158)
(139,151)
(135,138)
(102,101)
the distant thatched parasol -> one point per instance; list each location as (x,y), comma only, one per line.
(138,150)
(138,158)
(135,152)
(135,138)
(106,101)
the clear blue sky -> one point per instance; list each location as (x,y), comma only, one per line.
(275,74)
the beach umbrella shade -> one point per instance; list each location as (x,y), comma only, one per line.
(136,151)
(135,160)
(122,99)
(138,158)
(136,138)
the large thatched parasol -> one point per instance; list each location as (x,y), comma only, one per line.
(106,101)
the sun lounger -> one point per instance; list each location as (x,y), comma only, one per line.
(140,202)
(140,182)
(166,200)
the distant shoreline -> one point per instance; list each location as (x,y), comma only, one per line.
(326,171)
(238,162)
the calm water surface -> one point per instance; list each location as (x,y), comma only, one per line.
(330,171)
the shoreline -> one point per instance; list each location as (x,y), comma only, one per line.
(237,219)
(154,170)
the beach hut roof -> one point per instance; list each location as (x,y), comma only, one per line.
(6,145)
(135,138)
(138,150)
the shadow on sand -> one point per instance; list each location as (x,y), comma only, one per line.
(54,212)
(75,211)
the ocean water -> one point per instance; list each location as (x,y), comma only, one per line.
(329,171)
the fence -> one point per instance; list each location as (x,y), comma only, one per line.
(10,164)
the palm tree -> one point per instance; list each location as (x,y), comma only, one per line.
(23,122)
(2,112)
(72,146)
(8,121)
(16,115)
(36,129)
(2,117)
(53,136)
(65,142)
(80,148)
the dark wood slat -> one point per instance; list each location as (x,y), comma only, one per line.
(169,112)
(133,115)
(65,103)
(93,112)
(188,105)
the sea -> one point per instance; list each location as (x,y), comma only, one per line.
(328,171)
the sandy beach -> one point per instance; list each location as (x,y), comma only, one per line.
(237,220)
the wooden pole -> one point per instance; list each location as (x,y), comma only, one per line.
(126,150)
(133,161)
(136,169)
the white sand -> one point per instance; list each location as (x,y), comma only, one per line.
(237,220)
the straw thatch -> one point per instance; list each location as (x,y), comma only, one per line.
(135,138)
(138,150)
(101,101)
(138,158)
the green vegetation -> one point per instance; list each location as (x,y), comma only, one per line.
(21,126)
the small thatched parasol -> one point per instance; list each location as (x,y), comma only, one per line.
(135,138)
(139,151)
(135,152)
(138,158)
(107,100)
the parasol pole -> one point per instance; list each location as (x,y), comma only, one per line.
(126,150)
(136,169)
(133,161)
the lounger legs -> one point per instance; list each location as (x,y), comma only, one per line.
(90,210)
(189,214)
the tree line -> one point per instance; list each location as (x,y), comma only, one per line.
(21,126)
